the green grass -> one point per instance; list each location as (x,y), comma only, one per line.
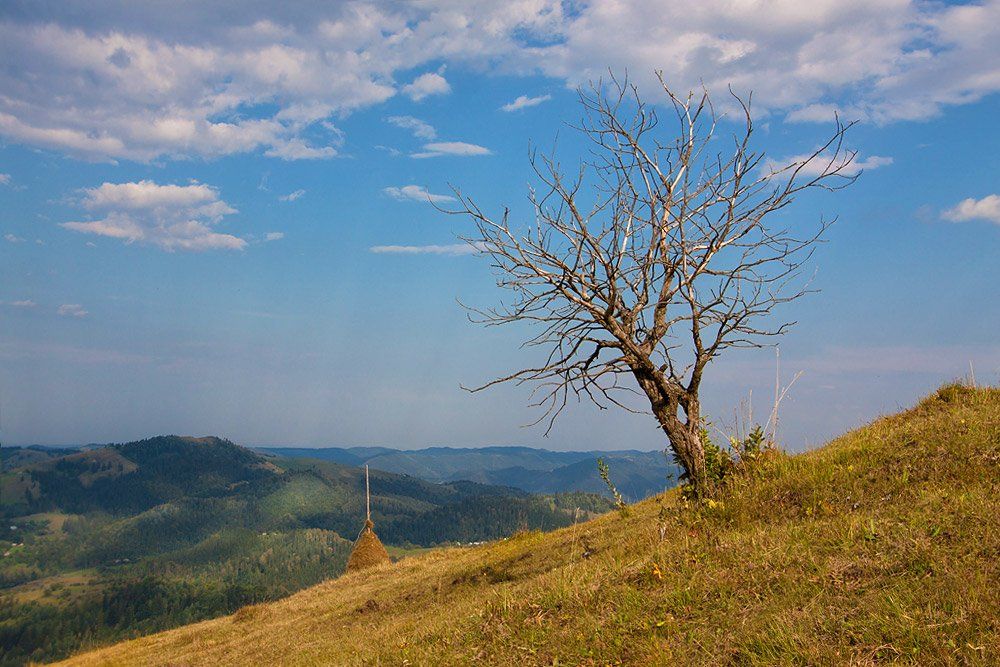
(57,589)
(883,546)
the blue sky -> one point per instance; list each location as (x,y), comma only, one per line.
(213,218)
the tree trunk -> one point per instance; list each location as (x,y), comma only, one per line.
(684,436)
(685,440)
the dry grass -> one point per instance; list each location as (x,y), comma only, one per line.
(884,546)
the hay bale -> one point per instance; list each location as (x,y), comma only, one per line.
(368,550)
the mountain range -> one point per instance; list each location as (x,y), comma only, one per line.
(636,474)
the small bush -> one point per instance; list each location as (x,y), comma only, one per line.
(953,392)
(620,504)
(721,462)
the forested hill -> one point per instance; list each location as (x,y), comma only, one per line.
(637,474)
(106,542)
(20,457)
(132,477)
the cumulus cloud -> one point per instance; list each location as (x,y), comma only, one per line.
(426,85)
(987,208)
(72,310)
(523,101)
(5,178)
(882,60)
(871,162)
(134,94)
(224,78)
(24,303)
(416,193)
(822,162)
(452,250)
(419,128)
(297,149)
(274,236)
(171,217)
(460,148)
(11,238)
(292,196)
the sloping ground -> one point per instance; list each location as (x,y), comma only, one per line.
(882,546)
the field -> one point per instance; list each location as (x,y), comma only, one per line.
(883,546)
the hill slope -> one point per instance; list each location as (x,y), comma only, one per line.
(882,546)
(19,457)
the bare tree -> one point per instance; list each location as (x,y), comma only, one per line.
(661,251)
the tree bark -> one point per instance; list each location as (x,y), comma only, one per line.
(685,440)
(684,436)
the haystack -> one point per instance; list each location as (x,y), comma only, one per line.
(368,550)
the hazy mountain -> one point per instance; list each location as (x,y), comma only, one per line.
(225,482)
(19,457)
(637,474)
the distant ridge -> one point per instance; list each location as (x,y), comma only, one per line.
(637,474)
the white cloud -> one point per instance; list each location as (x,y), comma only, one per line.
(274,236)
(987,208)
(5,178)
(297,149)
(870,163)
(11,238)
(419,128)
(823,161)
(292,196)
(171,217)
(72,310)
(439,148)
(131,92)
(426,85)
(416,193)
(881,60)
(33,349)
(523,102)
(222,78)
(24,303)
(452,250)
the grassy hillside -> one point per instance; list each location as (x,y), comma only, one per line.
(123,540)
(882,546)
